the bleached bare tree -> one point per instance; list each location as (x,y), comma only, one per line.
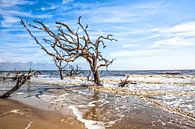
(72,71)
(68,44)
(61,66)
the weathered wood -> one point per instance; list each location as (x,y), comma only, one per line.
(72,71)
(125,82)
(61,67)
(20,80)
(68,45)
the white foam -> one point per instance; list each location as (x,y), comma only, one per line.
(57,81)
(89,124)
(20,93)
(60,98)
(15,111)
(29,125)
(47,98)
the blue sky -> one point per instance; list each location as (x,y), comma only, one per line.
(152,34)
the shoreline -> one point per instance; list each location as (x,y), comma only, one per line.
(16,115)
(50,102)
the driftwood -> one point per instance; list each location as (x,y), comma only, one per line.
(68,44)
(10,76)
(20,80)
(5,78)
(125,82)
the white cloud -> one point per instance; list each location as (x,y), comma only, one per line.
(9,20)
(9,3)
(176,41)
(145,53)
(10,17)
(179,35)
(67,1)
(10,12)
(128,45)
(18,54)
(180,28)
(1,61)
(109,14)
(51,7)
(15,13)
(163,62)
(125,13)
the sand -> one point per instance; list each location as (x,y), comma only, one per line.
(15,115)
(115,111)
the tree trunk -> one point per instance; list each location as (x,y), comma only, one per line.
(96,76)
(21,80)
(61,74)
(94,71)
(11,91)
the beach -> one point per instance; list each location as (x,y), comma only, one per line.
(16,115)
(155,102)
(97,64)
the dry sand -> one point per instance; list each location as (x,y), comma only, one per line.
(15,115)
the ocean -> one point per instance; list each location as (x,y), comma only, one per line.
(55,73)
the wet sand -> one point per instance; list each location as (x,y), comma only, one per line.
(15,115)
(115,111)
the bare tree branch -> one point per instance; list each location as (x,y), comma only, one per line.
(72,71)
(68,45)
(20,80)
(61,67)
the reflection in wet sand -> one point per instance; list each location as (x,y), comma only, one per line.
(93,113)
(101,109)
(15,115)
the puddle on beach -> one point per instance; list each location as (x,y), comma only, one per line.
(102,110)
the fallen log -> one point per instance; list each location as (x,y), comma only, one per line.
(20,80)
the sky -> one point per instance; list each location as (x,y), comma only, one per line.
(152,34)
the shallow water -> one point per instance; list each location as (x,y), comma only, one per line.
(98,110)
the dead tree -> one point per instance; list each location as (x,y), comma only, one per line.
(20,80)
(61,67)
(125,82)
(68,44)
(89,78)
(72,71)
